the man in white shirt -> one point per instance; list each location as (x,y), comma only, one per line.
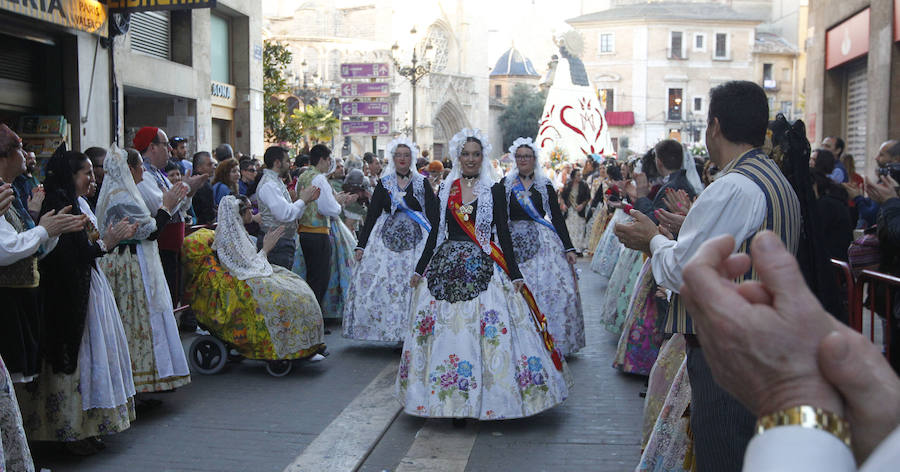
(772,345)
(314,225)
(278,208)
(749,195)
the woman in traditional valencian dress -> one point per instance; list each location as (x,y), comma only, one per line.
(265,311)
(574,199)
(85,389)
(542,248)
(136,276)
(402,211)
(471,350)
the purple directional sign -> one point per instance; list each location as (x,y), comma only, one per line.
(365,109)
(366,89)
(365,71)
(367,128)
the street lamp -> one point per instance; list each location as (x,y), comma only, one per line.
(413,72)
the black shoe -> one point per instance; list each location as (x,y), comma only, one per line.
(459,423)
(327,331)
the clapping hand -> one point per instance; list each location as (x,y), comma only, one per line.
(670,221)
(36,199)
(677,201)
(883,190)
(194,182)
(6,198)
(56,223)
(271,238)
(344,198)
(310,194)
(173,197)
(115,233)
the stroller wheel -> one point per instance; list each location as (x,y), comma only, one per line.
(279,368)
(208,355)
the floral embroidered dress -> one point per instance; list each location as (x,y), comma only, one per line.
(15,456)
(271,317)
(606,254)
(618,292)
(641,337)
(669,446)
(540,253)
(471,349)
(379,292)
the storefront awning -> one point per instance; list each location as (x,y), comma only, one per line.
(620,118)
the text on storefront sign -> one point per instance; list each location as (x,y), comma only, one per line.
(83,15)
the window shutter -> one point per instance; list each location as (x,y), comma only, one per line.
(150,34)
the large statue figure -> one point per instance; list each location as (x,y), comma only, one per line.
(572,120)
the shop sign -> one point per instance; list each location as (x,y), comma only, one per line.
(223,95)
(131,6)
(365,71)
(848,40)
(365,128)
(84,15)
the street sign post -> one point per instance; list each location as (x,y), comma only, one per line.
(366,89)
(365,71)
(365,128)
(365,109)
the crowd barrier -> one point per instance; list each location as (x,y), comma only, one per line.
(868,289)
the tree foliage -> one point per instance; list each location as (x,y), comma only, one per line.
(316,123)
(522,115)
(279,127)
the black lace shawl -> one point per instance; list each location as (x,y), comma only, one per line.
(65,273)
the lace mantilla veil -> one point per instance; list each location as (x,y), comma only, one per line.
(233,246)
(482,191)
(389,174)
(540,182)
(119,197)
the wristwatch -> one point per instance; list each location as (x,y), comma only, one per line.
(807,416)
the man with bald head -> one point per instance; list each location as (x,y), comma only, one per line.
(153,144)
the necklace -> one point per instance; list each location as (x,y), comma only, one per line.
(470,180)
(404,176)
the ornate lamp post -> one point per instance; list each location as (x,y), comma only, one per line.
(413,72)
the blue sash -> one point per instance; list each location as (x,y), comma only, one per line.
(416,216)
(524,198)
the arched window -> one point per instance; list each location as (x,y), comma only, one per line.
(440,42)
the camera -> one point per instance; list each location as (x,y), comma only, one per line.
(892,169)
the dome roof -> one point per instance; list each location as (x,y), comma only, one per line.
(512,62)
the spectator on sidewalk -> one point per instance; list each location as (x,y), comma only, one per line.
(204,205)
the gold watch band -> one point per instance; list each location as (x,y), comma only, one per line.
(807,417)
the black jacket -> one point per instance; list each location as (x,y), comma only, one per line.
(204,205)
(677,181)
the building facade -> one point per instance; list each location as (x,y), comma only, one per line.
(196,73)
(853,75)
(654,63)
(323,34)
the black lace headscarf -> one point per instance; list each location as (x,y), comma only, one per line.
(65,271)
(787,145)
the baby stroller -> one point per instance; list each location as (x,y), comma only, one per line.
(229,309)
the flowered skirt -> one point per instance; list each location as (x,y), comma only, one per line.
(123,271)
(96,399)
(596,226)
(671,355)
(268,318)
(377,308)
(618,292)
(670,446)
(577,228)
(15,455)
(606,254)
(641,338)
(343,245)
(542,260)
(471,350)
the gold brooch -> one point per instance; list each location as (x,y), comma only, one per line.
(465,211)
